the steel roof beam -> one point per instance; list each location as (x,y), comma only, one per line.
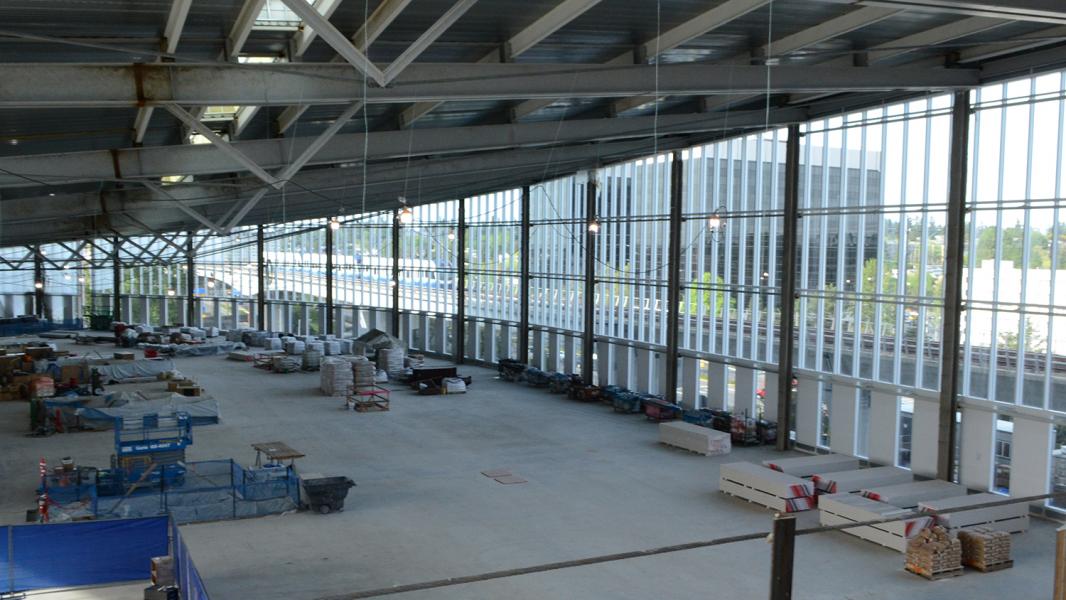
(336,39)
(222,145)
(179,11)
(306,34)
(427,38)
(1046,11)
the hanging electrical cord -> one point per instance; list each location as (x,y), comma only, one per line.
(366,117)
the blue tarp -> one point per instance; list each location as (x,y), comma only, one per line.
(83,553)
(185,573)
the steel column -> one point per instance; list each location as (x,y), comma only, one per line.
(523,317)
(588,338)
(460,306)
(954,252)
(395,282)
(788,289)
(784,550)
(38,283)
(116,272)
(329,280)
(673,275)
(260,270)
(190,281)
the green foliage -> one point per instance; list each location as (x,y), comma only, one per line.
(1013,246)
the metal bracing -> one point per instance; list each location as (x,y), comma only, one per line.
(954,266)
(673,274)
(306,34)
(555,19)
(95,85)
(242,27)
(786,343)
(158,189)
(588,336)
(707,21)
(523,318)
(383,15)
(223,146)
(179,10)
(337,40)
(427,38)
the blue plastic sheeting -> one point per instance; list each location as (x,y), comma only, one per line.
(185,572)
(85,553)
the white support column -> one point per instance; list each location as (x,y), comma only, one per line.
(537,358)
(604,371)
(807,416)
(977,456)
(883,445)
(643,370)
(424,320)
(690,382)
(570,354)
(623,371)
(843,419)
(656,372)
(923,436)
(744,398)
(770,397)
(717,384)
(553,352)
(1030,463)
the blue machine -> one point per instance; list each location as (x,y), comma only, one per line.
(149,453)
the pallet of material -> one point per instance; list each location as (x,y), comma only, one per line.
(909,495)
(846,482)
(694,438)
(841,509)
(766,487)
(934,554)
(986,550)
(1011,518)
(805,466)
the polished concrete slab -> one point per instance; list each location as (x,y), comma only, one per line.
(597,483)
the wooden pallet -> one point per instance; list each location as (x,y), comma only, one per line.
(938,575)
(993,567)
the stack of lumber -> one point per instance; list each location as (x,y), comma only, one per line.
(336,377)
(1011,518)
(985,549)
(841,509)
(846,482)
(909,495)
(766,487)
(933,554)
(694,438)
(805,466)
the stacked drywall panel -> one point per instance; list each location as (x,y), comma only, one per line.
(766,487)
(909,495)
(846,482)
(1012,518)
(841,509)
(805,466)
(694,438)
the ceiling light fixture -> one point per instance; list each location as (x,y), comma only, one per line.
(594,225)
(334,224)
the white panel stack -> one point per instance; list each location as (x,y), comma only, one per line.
(846,482)
(1012,518)
(766,487)
(336,376)
(694,438)
(841,509)
(909,495)
(805,466)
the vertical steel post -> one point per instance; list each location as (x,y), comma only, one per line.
(523,318)
(673,278)
(460,307)
(260,270)
(784,550)
(588,338)
(329,279)
(190,281)
(788,289)
(38,283)
(396,272)
(1060,564)
(954,251)
(116,273)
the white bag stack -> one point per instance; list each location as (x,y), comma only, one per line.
(363,372)
(336,376)
(294,347)
(390,360)
(331,348)
(694,438)
(454,385)
(272,343)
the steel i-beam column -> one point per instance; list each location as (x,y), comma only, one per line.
(955,247)
(673,274)
(788,289)
(38,283)
(460,307)
(395,282)
(588,338)
(190,281)
(329,279)
(260,270)
(523,318)
(116,273)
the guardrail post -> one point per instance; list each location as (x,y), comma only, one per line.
(784,549)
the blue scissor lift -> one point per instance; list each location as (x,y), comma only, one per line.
(149,453)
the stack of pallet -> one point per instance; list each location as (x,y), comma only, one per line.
(336,376)
(985,549)
(363,373)
(934,554)
(694,438)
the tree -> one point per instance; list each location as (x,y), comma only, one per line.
(1012,246)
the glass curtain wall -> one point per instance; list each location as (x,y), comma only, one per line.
(557,253)
(362,249)
(493,255)
(429,258)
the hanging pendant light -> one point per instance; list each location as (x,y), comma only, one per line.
(594,225)
(334,224)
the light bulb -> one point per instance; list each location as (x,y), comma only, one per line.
(171,293)
(39,285)
(334,224)
(406,215)
(81,280)
(451,234)
(714,223)
(210,284)
(594,226)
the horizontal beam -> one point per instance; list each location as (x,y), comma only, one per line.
(1047,11)
(202,159)
(31,85)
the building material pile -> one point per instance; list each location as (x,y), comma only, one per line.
(390,360)
(336,376)
(842,509)
(846,482)
(312,359)
(694,438)
(363,373)
(958,512)
(805,466)
(284,364)
(766,487)
(985,549)
(934,553)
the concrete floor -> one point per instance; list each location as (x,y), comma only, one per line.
(598,484)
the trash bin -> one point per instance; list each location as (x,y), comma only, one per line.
(326,494)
